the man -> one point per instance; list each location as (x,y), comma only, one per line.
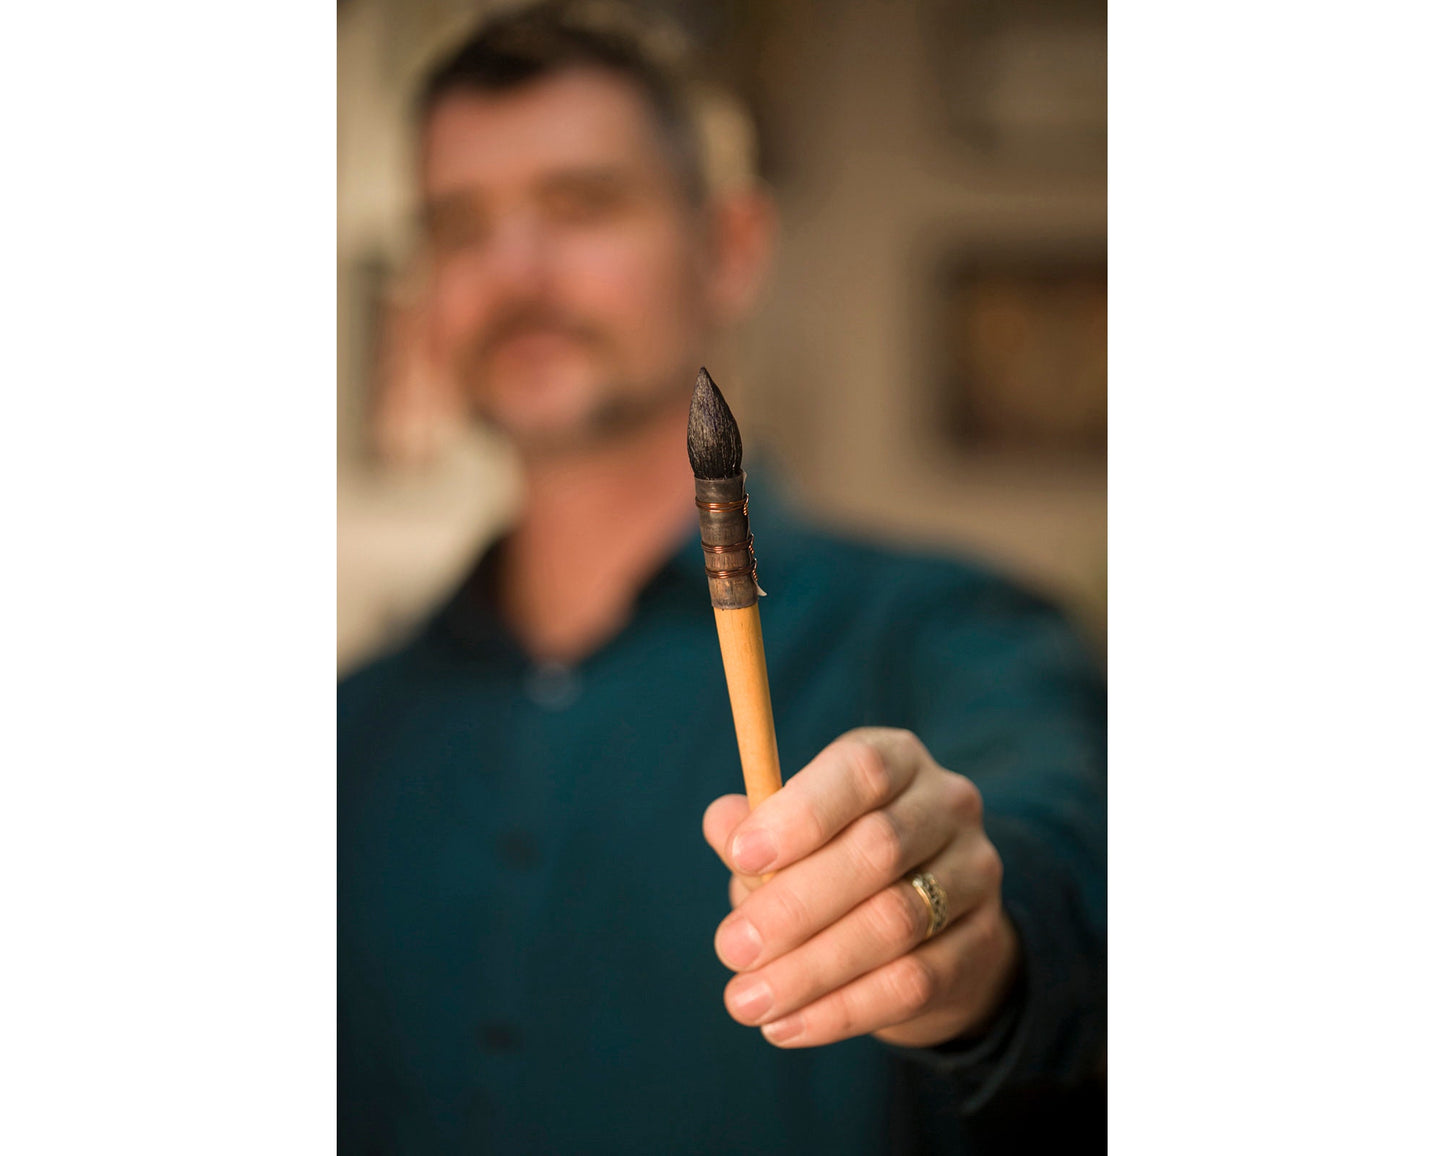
(527,915)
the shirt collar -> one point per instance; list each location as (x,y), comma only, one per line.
(470,617)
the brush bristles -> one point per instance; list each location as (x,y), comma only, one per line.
(714,446)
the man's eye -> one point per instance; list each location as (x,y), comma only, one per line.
(579,205)
(449,233)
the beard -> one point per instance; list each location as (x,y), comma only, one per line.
(606,405)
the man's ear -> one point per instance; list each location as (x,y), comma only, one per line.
(744,227)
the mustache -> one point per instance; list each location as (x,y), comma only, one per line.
(529,318)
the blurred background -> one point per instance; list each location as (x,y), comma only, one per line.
(936,319)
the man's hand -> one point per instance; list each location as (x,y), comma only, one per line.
(419,406)
(832,945)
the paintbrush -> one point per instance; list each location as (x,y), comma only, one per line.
(715,449)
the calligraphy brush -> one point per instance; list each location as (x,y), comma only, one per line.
(715,449)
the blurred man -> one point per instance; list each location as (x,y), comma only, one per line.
(529,927)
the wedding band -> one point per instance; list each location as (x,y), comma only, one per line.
(927,886)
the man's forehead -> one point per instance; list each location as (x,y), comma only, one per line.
(580,118)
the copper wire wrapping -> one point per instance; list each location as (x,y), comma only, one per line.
(737,572)
(728,548)
(725,507)
(748,571)
(732,566)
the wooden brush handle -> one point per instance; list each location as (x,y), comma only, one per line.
(740,634)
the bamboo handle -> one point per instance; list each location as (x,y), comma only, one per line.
(740,634)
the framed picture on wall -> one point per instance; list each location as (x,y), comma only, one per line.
(1025,352)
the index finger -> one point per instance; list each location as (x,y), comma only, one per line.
(723,816)
(858,773)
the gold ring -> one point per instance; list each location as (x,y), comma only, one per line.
(933,895)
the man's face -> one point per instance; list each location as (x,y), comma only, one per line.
(568,291)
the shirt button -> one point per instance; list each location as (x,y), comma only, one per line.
(517,848)
(497,1036)
(552,686)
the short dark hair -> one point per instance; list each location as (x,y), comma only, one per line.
(519,46)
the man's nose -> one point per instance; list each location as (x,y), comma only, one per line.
(516,258)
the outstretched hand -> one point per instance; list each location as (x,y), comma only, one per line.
(835,943)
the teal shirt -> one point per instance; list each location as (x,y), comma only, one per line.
(526,905)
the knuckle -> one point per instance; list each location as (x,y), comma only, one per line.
(846,1019)
(879,844)
(812,827)
(990,866)
(963,798)
(805,975)
(910,741)
(917,757)
(914,984)
(991,931)
(869,771)
(784,915)
(898,919)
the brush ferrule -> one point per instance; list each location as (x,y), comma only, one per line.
(727,546)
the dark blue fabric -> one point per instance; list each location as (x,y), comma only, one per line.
(526,905)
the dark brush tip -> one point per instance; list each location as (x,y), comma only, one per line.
(714,446)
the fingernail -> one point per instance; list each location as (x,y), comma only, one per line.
(783,1030)
(754,850)
(739,944)
(752,1002)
